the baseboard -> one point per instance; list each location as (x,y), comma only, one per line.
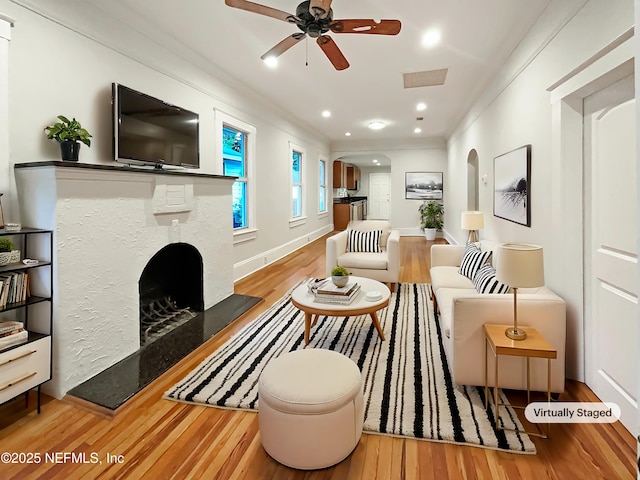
(255,263)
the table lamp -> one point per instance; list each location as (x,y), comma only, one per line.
(519,266)
(472,221)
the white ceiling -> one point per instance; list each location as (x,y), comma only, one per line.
(477,37)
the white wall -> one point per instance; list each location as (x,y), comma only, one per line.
(428,155)
(516,110)
(63,59)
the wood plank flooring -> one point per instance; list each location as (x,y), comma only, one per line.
(154,438)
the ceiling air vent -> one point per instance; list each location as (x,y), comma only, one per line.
(428,78)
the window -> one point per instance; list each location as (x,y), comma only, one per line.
(296,182)
(234,164)
(322,201)
(236,157)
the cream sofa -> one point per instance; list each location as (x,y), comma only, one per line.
(383,267)
(463,312)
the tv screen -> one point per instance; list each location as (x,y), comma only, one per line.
(148,131)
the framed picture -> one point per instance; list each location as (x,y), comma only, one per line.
(512,186)
(423,185)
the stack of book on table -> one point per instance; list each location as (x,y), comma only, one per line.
(12,333)
(329,293)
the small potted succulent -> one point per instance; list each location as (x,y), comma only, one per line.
(6,247)
(339,276)
(68,133)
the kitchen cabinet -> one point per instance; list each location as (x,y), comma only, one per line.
(339,174)
(353,178)
(341,215)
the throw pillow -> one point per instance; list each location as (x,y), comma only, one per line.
(486,282)
(368,242)
(472,260)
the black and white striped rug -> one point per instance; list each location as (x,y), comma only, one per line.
(408,389)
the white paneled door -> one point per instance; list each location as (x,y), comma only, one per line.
(611,292)
(379,193)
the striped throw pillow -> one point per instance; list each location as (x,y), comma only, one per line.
(486,282)
(368,242)
(472,260)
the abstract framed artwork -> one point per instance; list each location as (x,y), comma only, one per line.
(423,185)
(512,186)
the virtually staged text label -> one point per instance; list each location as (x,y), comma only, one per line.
(572,412)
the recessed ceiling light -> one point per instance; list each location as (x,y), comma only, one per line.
(375,160)
(417,130)
(431,38)
(421,106)
(347,134)
(271,62)
(376,125)
(326,114)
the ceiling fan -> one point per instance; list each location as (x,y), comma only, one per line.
(315,18)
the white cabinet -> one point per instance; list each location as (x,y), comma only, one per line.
(28,365)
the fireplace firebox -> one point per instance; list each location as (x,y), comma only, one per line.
(171,290)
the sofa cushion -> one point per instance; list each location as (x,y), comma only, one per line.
(472,260)
(367,261)
(368,242)
(446,276)
(485,281)
(445,306)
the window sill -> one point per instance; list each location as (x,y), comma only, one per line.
(296,222)
(244,235)
(324,214)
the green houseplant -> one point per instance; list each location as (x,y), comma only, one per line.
(339,276)
(431,218)
(69,133)
(6,247)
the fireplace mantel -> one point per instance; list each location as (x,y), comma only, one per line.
(108,221)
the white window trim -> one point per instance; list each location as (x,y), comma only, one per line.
(249,232)
(323,213)
(302,219)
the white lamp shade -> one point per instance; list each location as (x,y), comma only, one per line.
(472,221)
(520,265)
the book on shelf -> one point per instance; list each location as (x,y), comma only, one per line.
(10,327)
(16,338)
(15,288)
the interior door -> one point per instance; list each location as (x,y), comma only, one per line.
(611,292)
(379,193)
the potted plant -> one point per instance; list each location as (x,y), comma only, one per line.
(339,276)
(431,218)
(68,133)
(6,247)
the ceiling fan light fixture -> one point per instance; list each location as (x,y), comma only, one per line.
(377,125)
(271,61)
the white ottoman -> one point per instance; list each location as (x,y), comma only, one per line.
(310,408)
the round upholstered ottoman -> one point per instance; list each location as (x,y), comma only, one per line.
(310,408)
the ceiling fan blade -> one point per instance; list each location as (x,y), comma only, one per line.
(284,45)
(383,27)
(319,8)
(332,52)
(263,10)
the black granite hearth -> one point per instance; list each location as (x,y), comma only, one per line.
(114,386)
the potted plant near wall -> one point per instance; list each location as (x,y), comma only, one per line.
(6,247)
(69,133)
(431,218)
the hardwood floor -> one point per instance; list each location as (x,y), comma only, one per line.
(154,438)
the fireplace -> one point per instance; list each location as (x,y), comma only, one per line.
(170,290)
(114,229)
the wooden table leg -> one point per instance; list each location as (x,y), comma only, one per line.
(376,323)
(307,327)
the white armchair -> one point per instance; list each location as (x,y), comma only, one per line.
(383,267)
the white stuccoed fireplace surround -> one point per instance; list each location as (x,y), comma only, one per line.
(108,223)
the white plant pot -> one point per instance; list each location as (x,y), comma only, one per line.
(430,233)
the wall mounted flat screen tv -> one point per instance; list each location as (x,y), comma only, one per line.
(148,131)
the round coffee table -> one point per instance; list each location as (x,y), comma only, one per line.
(305,301)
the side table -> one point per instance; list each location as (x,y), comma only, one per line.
(534,346)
